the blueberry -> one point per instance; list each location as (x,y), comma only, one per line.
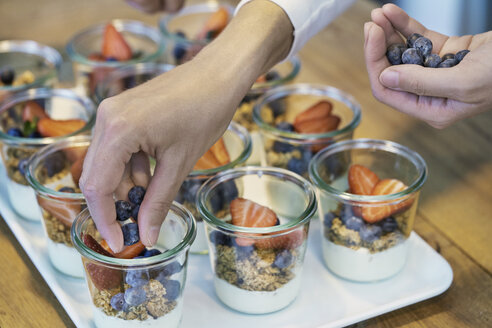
(34,135)
(346,212)
(136,195)
(190,188)
(220,238)
(123,210)
(173,289)
(272,75)
(297,166)
(389,224)
(54,163)
(135,211)
(137,278)
(15,132)
(412,56)
(7,75)
(423,45)
(278,222)
(211,35)
(277,106)
(216,203)
(354,223)
(135,296)
(412,38)
(394,52)
(179,51)
(181,34)
(171,268)
(448,56)
(111,59)
(243,252)
(226,193)
(67,189)
(328,219)
(370,233)
(282,147)
(448,63)
(22,166)
(461,54)
(285,126)
(118,301)
(433,60)
(283,259)
(150,252)
(130,233)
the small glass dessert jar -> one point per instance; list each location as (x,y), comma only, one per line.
(365,234)
(53,172)
(238,144)
(183,30)
(128,77)
(278,111)
(257,269)
(84,50)
(61,113)
(143,291)
(26,64)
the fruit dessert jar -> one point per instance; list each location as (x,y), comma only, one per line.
(128,77)
(258,269)
(238,144)
(144,41)
(365,237)
(139,292)
(61,107)
(277,110)
(26,64)
(53,172)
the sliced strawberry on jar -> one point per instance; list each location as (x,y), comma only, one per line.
(131,251)
(374,214)
(114,45)
(64,211)
(207,161)
(96,57)
(319,110)
(102,277)
(93,244)
(246,213)
(361,179)
(215,24)
(56,128)
(291,240)
(33,110)
(220,152)
(319,125)
(76,170)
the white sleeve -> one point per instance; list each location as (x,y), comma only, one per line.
(308,16)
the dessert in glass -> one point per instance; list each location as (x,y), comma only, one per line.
(136,287)
(368,192)
(257,241)
(298,120)
(100,49)
(26,64)
(30,120)
(232,150)
(54,172)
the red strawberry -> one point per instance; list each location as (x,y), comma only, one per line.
(385,187)
(220,152)
(131,251)
(261,79)
(75,153)
(291,240)
(317,111)
(32,110)
(246,213)
(207,161)
(56,128)
(114,45)
(76,170)
(215,23)
(319,125)
(361,180)
(64,210)
(96,57)
(92,243)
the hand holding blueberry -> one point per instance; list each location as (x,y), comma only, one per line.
(449,87)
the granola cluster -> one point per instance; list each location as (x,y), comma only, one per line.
(57,231)
(13,157)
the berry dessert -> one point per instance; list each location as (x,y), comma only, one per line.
(418,51)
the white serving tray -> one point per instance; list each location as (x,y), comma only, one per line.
(324,301)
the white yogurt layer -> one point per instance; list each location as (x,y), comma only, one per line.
(23,200)
(170,320)
(200,245)
(254,302)
(65,259)
(257,150)
(361,264)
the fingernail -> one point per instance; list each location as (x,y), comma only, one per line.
(152,236)
(113,246)
(389,79)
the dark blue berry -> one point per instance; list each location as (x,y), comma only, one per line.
(179,51)
(328,219)
(283,259)
(394,52)
(277,106)
(412,38)
(135,211)
(181,34)
(389,224)
(137,278)
(225,193)
(118,301)
(297,166)
(15,132)
(243,252)
(354,223)
(370,233)
(346,212)
(136,195)
(111,59)
(135,296)
(211,35)
(448,63)
(278,222)
(34,135)
(433,60)
(423,45)
(170,269)
(54,163)
(173,289)
(130,233)
(282,147)
(150,252)
(461,54)
(22,166)
(220,238)
(285,126)
(123,210)
(7,75)
(190,188)
(448,56)
(67,189)
(272,75)
(412,56)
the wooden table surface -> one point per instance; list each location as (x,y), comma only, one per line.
(455,211)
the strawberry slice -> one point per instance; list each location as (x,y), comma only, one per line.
(319,110)
(75,153)
(31,110)
(114,45)
(96,57)
(291,240)
(220,152)
(246,213)
(215,23)
(261,79)
(76,170)
(361,179)
(374,214)
(92,243)
(104,244)
(207,161)
(131,251)
(319,125)
(64,210)
(56,128)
